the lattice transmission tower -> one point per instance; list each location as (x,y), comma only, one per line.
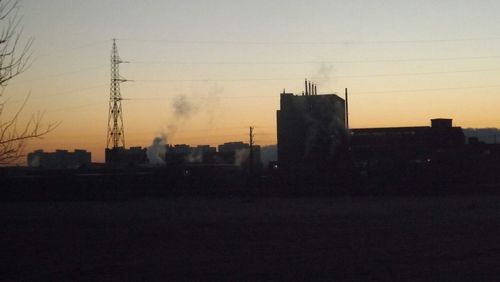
(116,133)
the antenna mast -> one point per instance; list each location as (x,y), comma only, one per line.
(116,134)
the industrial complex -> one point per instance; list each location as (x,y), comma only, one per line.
(315,148)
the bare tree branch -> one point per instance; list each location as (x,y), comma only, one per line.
(14,60)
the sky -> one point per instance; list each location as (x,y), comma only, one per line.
(404,62)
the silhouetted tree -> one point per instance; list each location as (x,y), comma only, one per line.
(14,59)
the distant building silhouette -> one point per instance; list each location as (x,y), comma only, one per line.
(182,154)
(486,135)
(237,153)
(311,129)
(121,156)
(232,147)
(395,146)
(60,159)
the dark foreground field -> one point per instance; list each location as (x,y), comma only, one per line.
(364,239)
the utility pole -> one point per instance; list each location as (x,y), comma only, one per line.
(116,133)
(250,157)
(347,118)
(346,110)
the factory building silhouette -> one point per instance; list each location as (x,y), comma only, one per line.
(311,129)
(410,153)
(316,142)
(399,144)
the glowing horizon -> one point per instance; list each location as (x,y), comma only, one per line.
(403,63)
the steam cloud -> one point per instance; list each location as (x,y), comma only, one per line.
(183,109)
(196,156)
(323,130)
(156,152)
(240,156)
(35,162)
(323,74)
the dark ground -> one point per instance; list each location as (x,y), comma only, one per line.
(360,238)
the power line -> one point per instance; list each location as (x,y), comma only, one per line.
(59,74)
(65,50)
(60,93)
(320,62)
(426,89)
(246,42)
(257,96)
(274,97)
(210,136)
(72,108)
(344,42)
(63,109)
(320,78)
(354,93)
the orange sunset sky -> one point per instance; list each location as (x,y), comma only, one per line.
(404,62)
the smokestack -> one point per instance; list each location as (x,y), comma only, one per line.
(306,86)
(310,88)
(315,90)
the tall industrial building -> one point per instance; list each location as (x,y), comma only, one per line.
(311,129)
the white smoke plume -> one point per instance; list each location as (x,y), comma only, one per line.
(196,156)
(35,162)
(211,104)
(156,152)
(323,129)
(240,156)
(323,75)
(183,107)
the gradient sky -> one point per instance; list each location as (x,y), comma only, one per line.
(404,62)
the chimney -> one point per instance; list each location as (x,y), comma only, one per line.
(306,87)
(315,90)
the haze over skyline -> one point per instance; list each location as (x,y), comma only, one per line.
(404,62)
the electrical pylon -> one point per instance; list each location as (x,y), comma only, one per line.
(116,134)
